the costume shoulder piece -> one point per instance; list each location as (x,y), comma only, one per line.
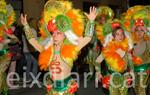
(112,58)
(68,53)
(60,15)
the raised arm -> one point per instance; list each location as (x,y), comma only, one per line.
(130,63)
(30,35)
(89,28)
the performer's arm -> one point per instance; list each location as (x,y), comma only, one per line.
(99,59)
(89,29)
(30,35)
(130,62)
(88,35)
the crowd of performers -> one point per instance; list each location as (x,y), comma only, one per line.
(125,45)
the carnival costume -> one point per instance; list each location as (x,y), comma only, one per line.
(101,32)
(139,16)
(112,59)
(105,16)
(97,41)
(94,48)
(118,63)
(7,18)
(60,15)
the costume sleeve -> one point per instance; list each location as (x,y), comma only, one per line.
(89,28)
(97,67)
(30,32)
(32,40)
(88,35)
(130,62)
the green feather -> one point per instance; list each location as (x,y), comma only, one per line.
(107,28)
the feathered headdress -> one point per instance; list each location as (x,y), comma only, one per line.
(7,17)
(60,15)
(103,11)
(137,16)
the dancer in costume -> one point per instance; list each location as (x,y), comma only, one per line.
(104,18)
(115,52)
(7,18)
(59,51)
(139,23)
(105,14)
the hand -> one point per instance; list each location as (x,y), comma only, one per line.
(92,15)
(24,19)
(99,76)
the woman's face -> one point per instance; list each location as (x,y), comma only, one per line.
(139,32)
(58,37)
(102,19)
(119,35)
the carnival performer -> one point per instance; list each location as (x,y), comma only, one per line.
(103,20)
(116,54)
(7,18)
(105,14)
(139,23)
(58,51)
